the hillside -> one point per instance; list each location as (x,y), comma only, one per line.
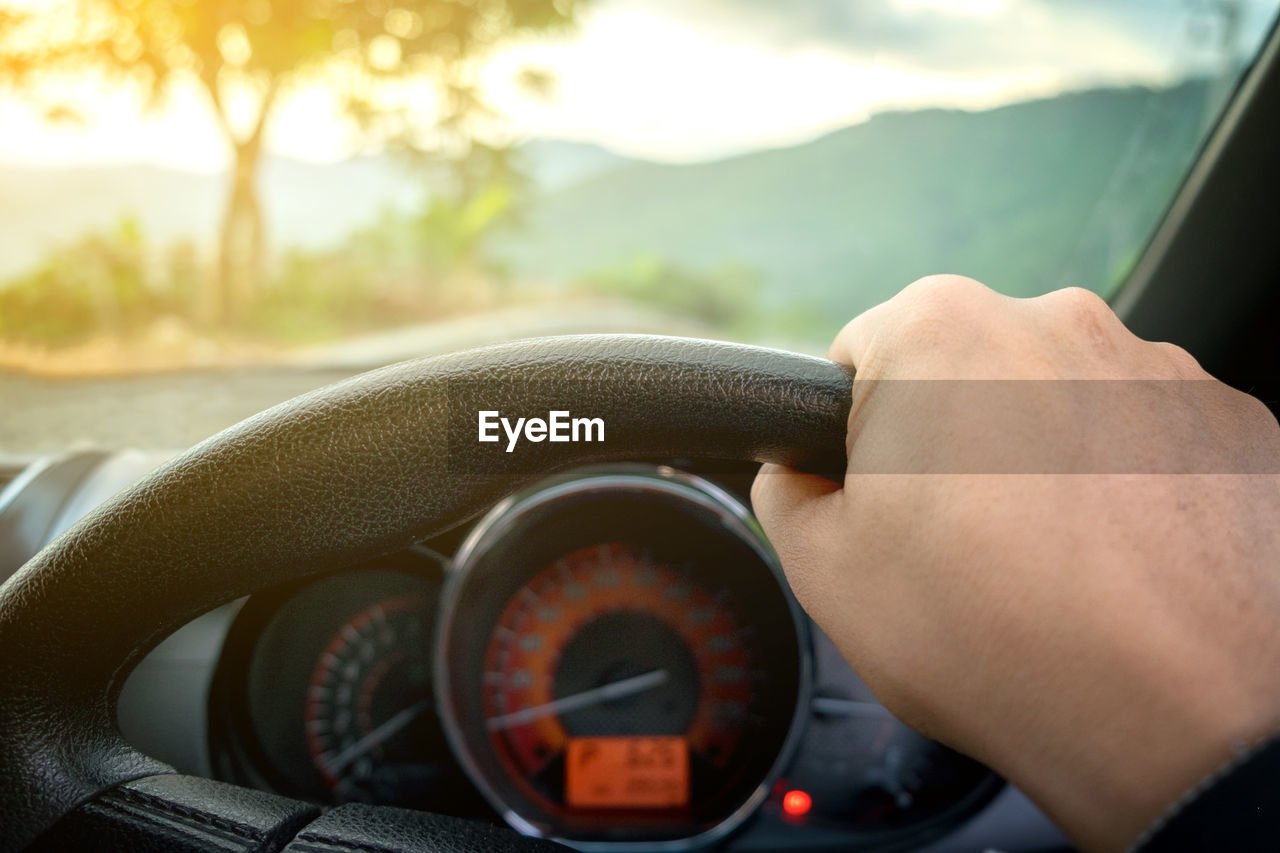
(1026,197)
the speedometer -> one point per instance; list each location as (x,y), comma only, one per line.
(619,660)
(600,658)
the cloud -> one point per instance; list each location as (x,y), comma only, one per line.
(1097,39)
(694,79)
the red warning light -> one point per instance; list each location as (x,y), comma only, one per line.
(796,803)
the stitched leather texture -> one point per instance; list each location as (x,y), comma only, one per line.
(340,475)
(370,829)
(179,814)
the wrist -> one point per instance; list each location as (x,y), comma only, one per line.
(1137,760)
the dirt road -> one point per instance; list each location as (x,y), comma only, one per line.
(172,411)
(167,411)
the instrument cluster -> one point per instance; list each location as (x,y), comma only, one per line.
(611,658)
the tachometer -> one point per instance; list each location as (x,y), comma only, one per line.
(368,717)
(325,691)
(619,660)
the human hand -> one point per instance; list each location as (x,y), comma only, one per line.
(1075,582)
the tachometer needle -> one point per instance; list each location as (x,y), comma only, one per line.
(382,733)
(614,690)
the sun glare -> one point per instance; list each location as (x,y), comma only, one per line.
(632,78)
(216,183)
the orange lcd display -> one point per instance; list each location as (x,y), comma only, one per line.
(627,772)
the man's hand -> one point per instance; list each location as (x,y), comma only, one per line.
(1011,566)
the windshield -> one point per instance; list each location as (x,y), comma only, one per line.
(207,208)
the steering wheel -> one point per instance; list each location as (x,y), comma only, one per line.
(340,475)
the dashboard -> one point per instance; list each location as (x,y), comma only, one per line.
(611,658)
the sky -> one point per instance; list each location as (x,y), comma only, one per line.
(686,80)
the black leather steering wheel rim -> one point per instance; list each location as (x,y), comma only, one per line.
(345,473)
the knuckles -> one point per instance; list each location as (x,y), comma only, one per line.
(1182,363)
(1079,304)
(937,307)
(946,286)
(1085,313)
(948,296)
(1258,419)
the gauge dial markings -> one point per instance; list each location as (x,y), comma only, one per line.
(365,659)
(658,618)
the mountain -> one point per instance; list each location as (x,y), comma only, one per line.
(307,205)
(555,164)
(1026,197)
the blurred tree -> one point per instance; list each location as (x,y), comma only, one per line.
(453,230)
(376,55)
(15,62)
(25,49)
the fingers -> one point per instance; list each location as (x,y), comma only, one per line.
(788,505)
(855,340)
(782,497)
(801,515)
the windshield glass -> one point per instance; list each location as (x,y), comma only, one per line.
(207,208)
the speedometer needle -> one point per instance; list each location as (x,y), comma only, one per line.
(383,732)
(614,690)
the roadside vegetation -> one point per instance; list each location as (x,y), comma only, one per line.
(128,302)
